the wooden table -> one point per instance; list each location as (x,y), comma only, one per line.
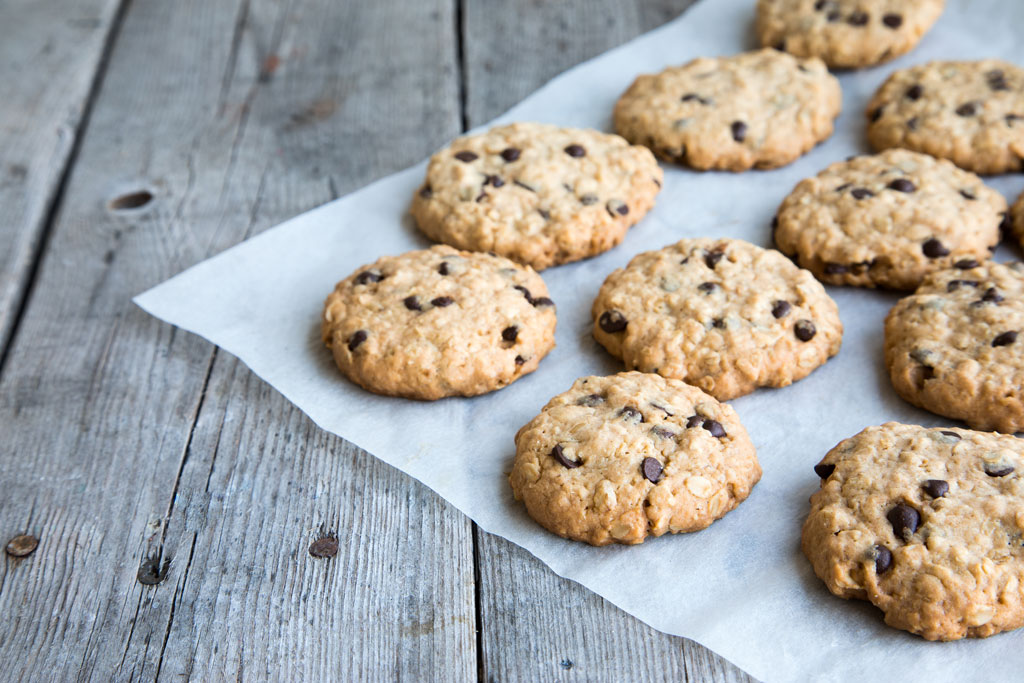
(174,495)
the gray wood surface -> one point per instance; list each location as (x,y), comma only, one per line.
(175,495)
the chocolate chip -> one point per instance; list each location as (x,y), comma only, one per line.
(833,16)
(715,427)
(510,333)
(718,323)
(820,5)
(615,206)
(892,20)
(590,400)
(804,330)
(523,185)
(780,309)
(992,296)
(836,269)
(904,520)
(712,258)
(954,285)
(968,195)
(707,287)
(412,303)
(858,18)
(443,268)
(612,321)
(368,276)
(694,421)
(997,80)
(494,181)
(482,196)
(967,109)
(442,301)
(465,156)
(934,249)
(545,214)
(541,302)
(966,264)
(739,131)
(1005,339)
(883,559)
(575,151)
(651,470)
(1010,118)
(912,123)
(588,199)
(876,114)
(861,193)
(631,414)
(902,185)
(662,409)
(22,545)
(510,154)
(997,470)
(694,97)
(951,434)
(936,488)
(426,192)
(824,470)
(324,547)
(525,291)
(356,339)
(558,454)
(519,360)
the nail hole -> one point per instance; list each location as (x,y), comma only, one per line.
(132,200)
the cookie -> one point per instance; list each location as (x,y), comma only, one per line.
(971,113)
(759,109)
(538,194)
(956,346)
(927,524)
(439,322)
(1015,220)
(617,459)
(888,220)
(721,314)
(846,34)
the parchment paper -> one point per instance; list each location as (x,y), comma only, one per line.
(740,587)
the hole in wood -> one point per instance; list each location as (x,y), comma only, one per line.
(132,200)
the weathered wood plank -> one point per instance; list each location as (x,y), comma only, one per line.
(50,53)
(126,439)
(536,625)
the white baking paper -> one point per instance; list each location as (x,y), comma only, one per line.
(740,587)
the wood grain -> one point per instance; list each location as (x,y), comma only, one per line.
(535,624)
(133,450)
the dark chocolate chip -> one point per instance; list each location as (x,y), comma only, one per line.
(694,421)
(952,434)
(590,400)
(465,156)
(694,97)
(519,360)
(612,321)
(442,301)
(510,154)
(883,559)
(936,488)
(1010,118)
(861,193)
(525,292)
(967,109)
(715,427)
(997,80)
(356,339)
(954,285)
(707,287)
(443,268)
(22,545)
(510,333)
(482,196)
(412,303)
(858,18)
(588,199)
(651,470)
(967,194)
(992,296)
(739,131)
(558,454)
(541,302)
(824,470)
(836,269)
(718,323)
(1005,339)
(997,470)
(368,276)
(876,114)
(712,258)
(495,181)
(631,414)
(820,5)
(662,409)
(892,20)
(904,520)
(804,330)
(576,151)
(324,547)
(902,185)
(780,309)
(523,185)
(545,214)
(934,249)
(426,192)
(915,91)
(966,264)
(615,206)
(833,16)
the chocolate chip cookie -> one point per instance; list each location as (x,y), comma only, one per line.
(758,109)
(439,322)
(927,524)
(721,314)
(969,112)
(617,459)
(538,194)
(956,346)
(888,220)
(847,34)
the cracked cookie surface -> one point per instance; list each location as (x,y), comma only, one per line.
(617,459)
(956,346)
(889,219)
(439,322)
(760,109)
(538,194)
(926,524)
(971,113)
(846,34)
(721,314)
